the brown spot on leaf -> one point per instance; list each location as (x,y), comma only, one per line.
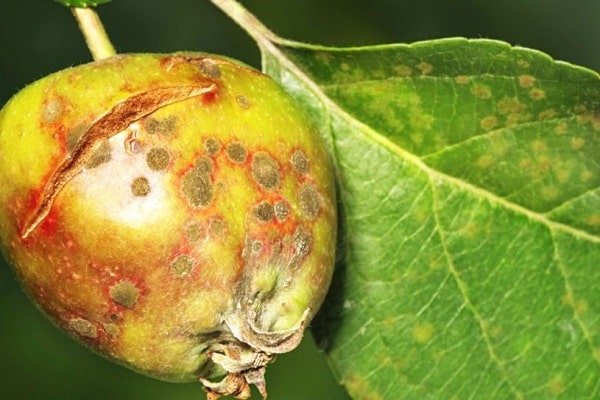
(125,293)
(158,158)
(140,187)
(265,171)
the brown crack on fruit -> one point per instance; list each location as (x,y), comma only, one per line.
(125,293)
(114,121)
(265,171)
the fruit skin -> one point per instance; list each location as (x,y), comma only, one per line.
(175,213)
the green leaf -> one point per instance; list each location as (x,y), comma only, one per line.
(82,3)
(468,176)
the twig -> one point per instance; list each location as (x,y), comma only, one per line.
(93,31)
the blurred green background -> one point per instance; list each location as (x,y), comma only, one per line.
(39,36)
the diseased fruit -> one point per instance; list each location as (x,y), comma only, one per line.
(175,213)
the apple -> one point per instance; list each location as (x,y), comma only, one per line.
(175,213)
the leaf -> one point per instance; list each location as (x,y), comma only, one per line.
(82,3)
(468,176)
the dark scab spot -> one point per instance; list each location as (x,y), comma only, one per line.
(140,187)
(52,111)
(210,68)
(265,171)
(83,327)
(212,146)
(204,165)
(264,212)
(181,266)
(236,152)
(281,210)
(111,329)
(100,156)
(243,102)
(75,134)
(197,188)
(158,159)
(125,293)
(193,232)
(164,127)
(302,242)
(310,202)
(300,162)
(217,228)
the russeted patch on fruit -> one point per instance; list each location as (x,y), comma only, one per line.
(176,213)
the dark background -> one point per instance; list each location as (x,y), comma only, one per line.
(40,36)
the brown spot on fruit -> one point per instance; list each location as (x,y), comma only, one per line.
(264,212)
(164,127)
(75,134)
(193,232)
(243,102)
(265,171)
(302,242)
(52,111)
(204,165)
(212,146)
(140,187)
(181,266)
(197,187)
(158,158)
(111,329)
(125,293)
(310,202)
(83,327)
(236,152)
(300,162)
(281,210)
(101,156)
(209,68)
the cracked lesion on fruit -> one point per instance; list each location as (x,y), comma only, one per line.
(117,119)
(265,171)
(125,293)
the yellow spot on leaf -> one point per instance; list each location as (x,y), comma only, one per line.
(488,123)
(561,128)
(485,161)
(510,105)
(462,79)
(547,114)
(481,91)
(538,146)
(563,176)
(422,332)
(586,176)
(523,64)
(549,192)
(556,385)
(594,220)
(403,70)
(526,81)
(358,387)
(577,143)
(597,354)
(425,68)
(537,94)
(417,138)
(580,307)
(344,66)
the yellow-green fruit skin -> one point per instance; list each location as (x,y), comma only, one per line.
(210,208)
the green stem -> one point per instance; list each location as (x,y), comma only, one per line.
(93,31)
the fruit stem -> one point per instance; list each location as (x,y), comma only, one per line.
(93,31)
